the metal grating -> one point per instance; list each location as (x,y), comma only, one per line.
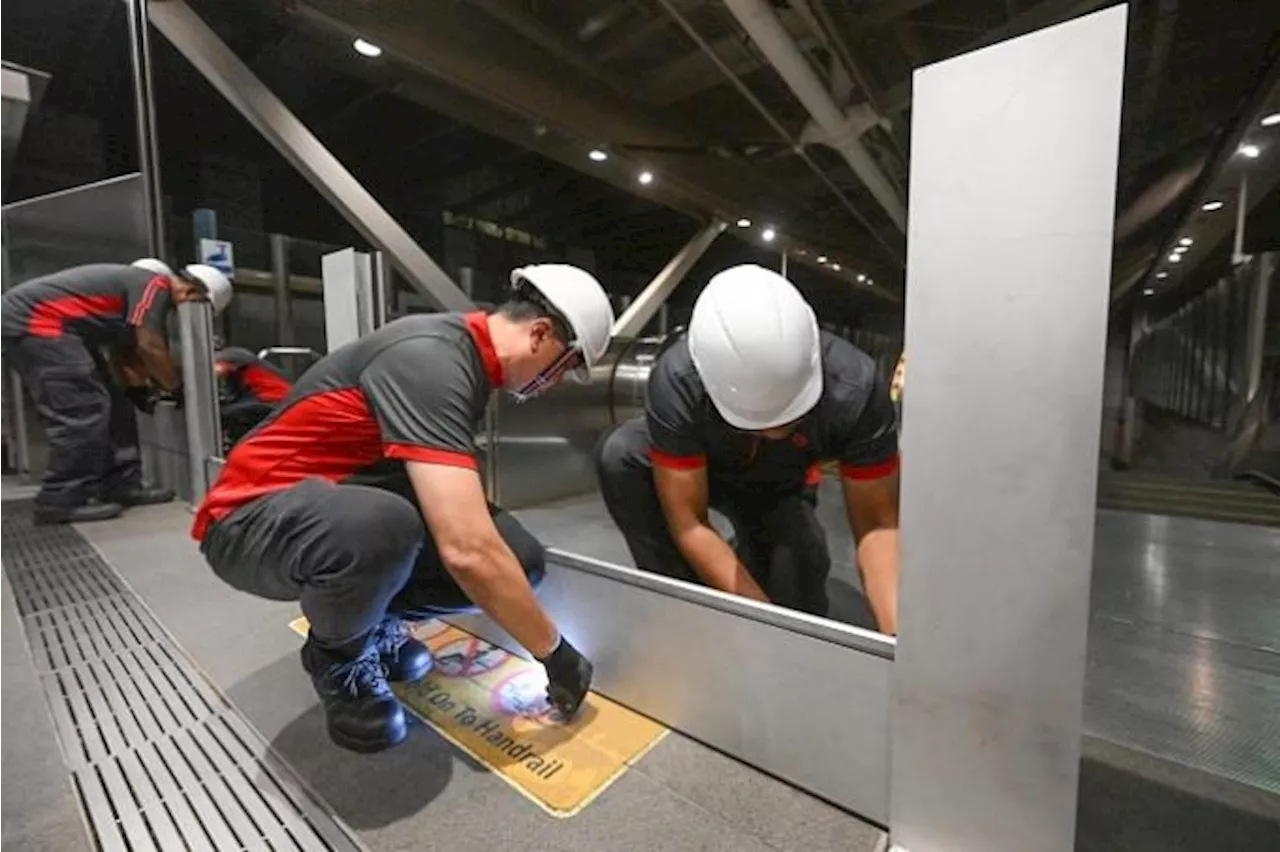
(160,759)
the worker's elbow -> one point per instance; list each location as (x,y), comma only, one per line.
(468,563)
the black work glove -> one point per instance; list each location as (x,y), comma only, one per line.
(141,399)
(174,396)
(568,678)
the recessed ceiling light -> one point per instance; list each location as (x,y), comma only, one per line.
(597,155)
(744,223)
(1162,275)
(1148,292)
(645,178)
(1271,120)
(822,258)
(1210,206)
(366,48)
(1175,258)
(1185,241)
(861,277)
(1250,151)
(835,267)
(768,234)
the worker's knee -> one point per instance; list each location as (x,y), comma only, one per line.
(380,530)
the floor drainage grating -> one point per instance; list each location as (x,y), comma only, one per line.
(160,759)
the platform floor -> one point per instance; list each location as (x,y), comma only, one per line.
(424,794)
(1181,753)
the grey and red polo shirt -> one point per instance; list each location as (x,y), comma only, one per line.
(415,390)
(853,424)
(97,302)
(243,374)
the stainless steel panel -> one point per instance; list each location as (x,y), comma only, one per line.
(1013,173)
(200,394)
(755,681)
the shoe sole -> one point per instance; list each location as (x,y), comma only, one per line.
(367,746)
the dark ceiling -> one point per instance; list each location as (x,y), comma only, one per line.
(489,107)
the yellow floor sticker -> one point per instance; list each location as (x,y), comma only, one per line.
(492,705)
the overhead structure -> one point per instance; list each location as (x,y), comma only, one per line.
(270,117)
(840,130)
(655,294)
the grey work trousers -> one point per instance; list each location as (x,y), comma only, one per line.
(350,554)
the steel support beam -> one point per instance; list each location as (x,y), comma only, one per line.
(1263,268)
(767,31)
(233,79)
(145,118)
(651,298)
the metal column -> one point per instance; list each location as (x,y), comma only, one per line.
(200,394)
(233,79)
(646,304)
(997,541)
(281,289)
(145,115)
(1264,266)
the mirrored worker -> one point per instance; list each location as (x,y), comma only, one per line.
(741,411)
(359,496)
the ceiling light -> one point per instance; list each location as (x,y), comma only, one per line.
(1210,206)
(768,234)
(861,277)
(835,267)
(1271,120)
(870,282)
(1250,151)
(1175,258)
(366,48)
(1148,292)
(1162,275)
(822,258)
(744,223)
(1179,250)
(645,178)
(597,155)
(1185,241)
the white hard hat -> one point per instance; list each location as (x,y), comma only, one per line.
(754,342)
(153,264)
(578,297)
(216,285)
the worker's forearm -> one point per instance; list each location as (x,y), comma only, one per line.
(160,366)
(878,566)
(493,579)
(716,564)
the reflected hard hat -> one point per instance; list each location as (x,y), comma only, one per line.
(577,296)
(153,264)
(755,345)
(216,285)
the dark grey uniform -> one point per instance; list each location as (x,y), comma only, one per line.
(55,328)
(757,483)
(315,504)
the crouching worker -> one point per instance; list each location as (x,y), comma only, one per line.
(56,329)
(325,501)
(248,388)
(739,412)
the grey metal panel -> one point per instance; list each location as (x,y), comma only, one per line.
(233,79)
(762,688)
(1013,175)
(200,393)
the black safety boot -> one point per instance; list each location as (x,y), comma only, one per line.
(361,712)
(94,510)
(405,659)
(141,496)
